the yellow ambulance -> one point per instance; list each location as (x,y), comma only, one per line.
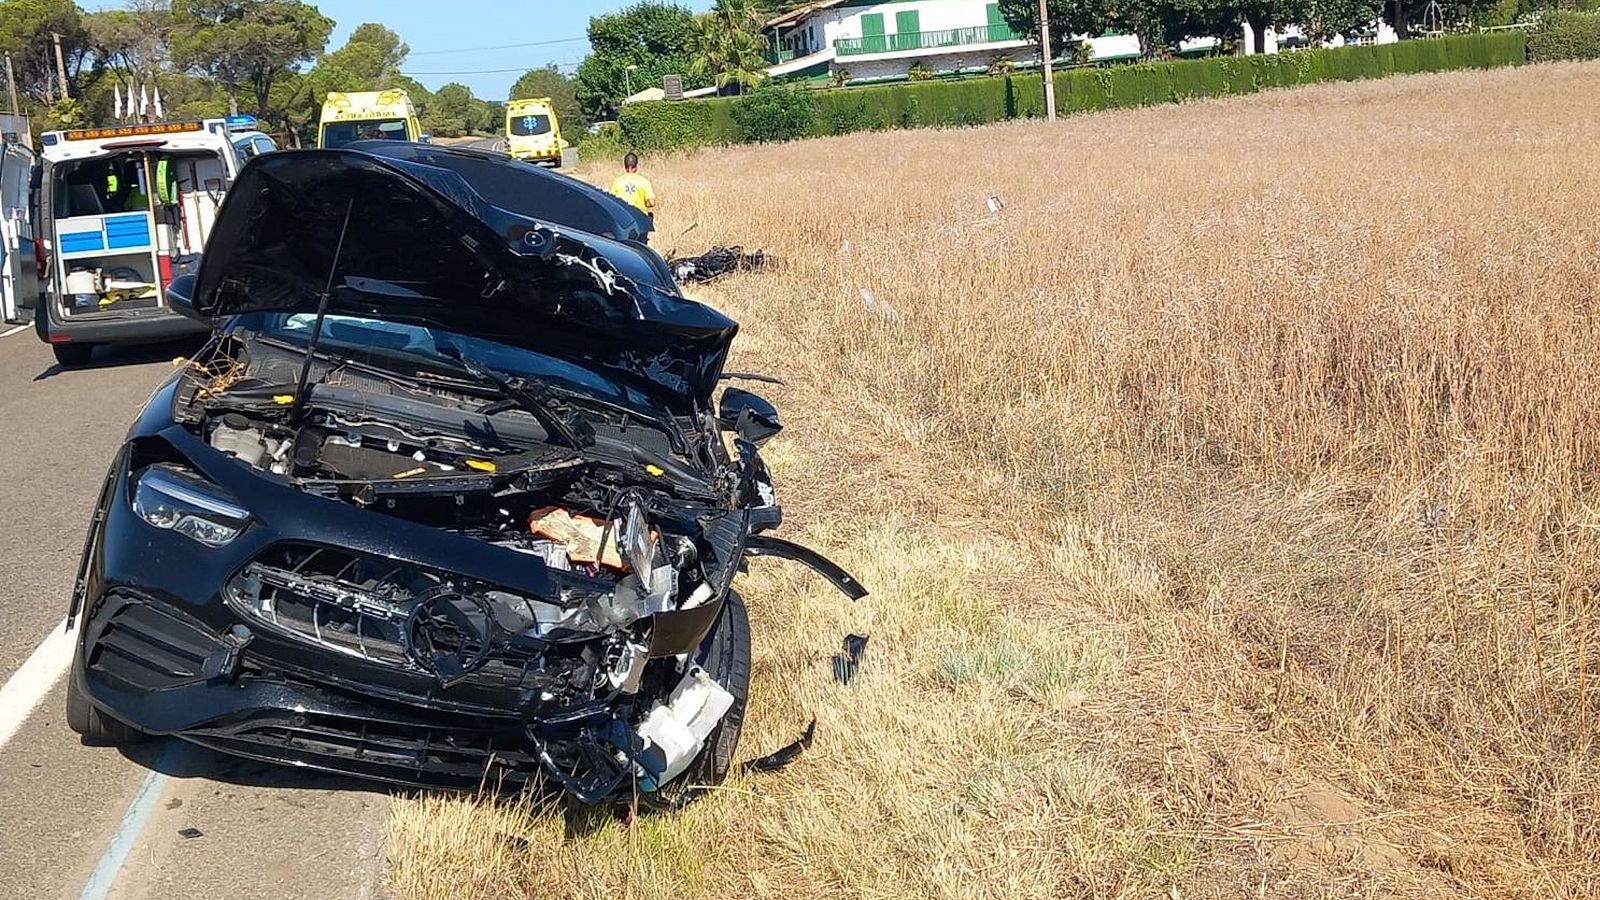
(367,115)
(533,132)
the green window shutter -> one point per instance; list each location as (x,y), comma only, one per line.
(872,40)
(907,30)
(999,30)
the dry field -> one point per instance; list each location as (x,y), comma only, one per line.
(1228,500)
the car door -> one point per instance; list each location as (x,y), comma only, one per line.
(19,282)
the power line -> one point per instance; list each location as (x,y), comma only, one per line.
(571,40)
(470,71)
(572,66)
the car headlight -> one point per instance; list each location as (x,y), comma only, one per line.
(171,497)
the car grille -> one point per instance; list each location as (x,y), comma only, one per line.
(402,752)
(347,602)
(360,606)
(145,646)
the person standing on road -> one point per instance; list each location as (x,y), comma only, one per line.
(635,188)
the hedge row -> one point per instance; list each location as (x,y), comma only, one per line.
(1565,35)
(1082,90)
(669,125)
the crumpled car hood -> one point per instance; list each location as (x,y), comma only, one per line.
(469,242)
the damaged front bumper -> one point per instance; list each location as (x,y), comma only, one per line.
(278,648)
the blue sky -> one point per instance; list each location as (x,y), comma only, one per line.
(466,39)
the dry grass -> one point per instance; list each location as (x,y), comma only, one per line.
(1228,502)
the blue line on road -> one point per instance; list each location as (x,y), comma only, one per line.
(133,822)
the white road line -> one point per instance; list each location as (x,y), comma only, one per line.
(17,330)
(133,822)
(31,683)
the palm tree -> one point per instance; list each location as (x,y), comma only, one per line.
(728,45)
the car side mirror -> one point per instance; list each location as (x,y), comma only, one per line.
(748,415)
(180,298)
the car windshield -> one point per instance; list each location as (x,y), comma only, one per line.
(337,134)
(411,349)
(529,125)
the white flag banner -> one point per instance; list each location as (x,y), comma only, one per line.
(156,102)
(144,99)
(116,98)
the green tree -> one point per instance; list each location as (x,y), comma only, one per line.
(727,46)
(131,46)
(1193,18)
(1067,17)
(134,41)
(369,61)
(455,111)
(1326,18)
(651,37)
(770,8)
(26,27)
(244,45)
(563,94)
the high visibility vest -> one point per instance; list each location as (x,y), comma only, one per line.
(166,182)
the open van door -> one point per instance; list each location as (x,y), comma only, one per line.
(19,267)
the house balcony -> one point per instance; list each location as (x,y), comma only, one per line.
(950,38)
(778,56)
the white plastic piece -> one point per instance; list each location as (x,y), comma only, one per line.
(680,727)
(699,597)
(629,668)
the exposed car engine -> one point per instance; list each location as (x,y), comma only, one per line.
(459,514)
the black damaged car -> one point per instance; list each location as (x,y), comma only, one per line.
(445,500)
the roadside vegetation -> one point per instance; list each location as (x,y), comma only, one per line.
(778,113)
(1227,499)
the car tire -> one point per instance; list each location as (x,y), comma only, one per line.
(70,355)
(94,725)
(725,655)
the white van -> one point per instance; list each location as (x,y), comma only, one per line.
(247,137)
(124,210)
(19,257)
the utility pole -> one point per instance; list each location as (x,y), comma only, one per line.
(61,64)
(11,87)
(1049,72)
(24,134)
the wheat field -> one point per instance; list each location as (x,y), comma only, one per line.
(1227,498)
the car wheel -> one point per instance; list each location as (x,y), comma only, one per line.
(95,726)
(725,655)
(69,355)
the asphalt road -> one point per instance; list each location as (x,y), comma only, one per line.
(157,820)
(569,157)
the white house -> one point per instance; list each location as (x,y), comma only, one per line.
(880,39)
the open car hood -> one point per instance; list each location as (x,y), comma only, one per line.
(471,242)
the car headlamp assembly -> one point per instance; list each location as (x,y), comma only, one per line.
(174,498)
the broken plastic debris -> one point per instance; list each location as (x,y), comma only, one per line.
(785,755)
(995,205)
(845,664)
(639,543)
(676,732)
(717,262)
(580,534)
